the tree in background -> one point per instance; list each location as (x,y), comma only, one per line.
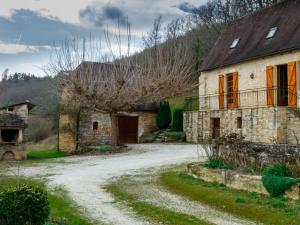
(164,115)
(177,124)
(120,80)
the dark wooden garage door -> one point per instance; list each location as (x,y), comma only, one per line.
(128,129)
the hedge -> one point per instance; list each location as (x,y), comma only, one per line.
(24,206)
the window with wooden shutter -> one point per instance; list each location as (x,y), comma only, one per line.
(221,92)
(229,90)
(270,94)
(292,87)
(235,78)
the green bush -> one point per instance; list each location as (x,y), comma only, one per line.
(177,124)
(175,134)
(216,163)
(277,179)
(277,170)
(105,148)
(164,116)
(24,206)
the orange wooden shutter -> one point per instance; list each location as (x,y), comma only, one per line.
(221,92)
(235,77)
(292,84)
(270,95)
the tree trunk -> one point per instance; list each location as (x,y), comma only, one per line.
(114,128)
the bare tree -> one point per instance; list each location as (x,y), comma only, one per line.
(154,37)
(122,82)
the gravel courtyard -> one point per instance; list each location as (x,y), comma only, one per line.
(84,176)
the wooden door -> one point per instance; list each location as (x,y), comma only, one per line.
(215,128)
(128,129)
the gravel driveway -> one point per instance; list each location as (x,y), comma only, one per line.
(83,177)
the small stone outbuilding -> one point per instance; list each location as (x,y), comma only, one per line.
(83,127)
(13,130)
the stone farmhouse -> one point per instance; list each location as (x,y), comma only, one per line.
(13,130)
(250,80)
(81,127)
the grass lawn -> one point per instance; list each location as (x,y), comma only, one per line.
(63,210)
(272,211)
(153,213)
(44,154)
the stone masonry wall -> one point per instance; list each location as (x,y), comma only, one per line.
(190,126)
(67,138)
(267,125)
(147,122)
(89,136)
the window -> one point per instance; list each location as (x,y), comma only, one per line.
(282,85)
(239,122)
(95,126)
(9,136)
(235,43)
(272,32)
(230,89)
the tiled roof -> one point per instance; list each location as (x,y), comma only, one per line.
(252,30)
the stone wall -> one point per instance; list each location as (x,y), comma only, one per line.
(190,126)
(261,155)
(268,125)
(13,152)
(237,180)
(147,122)
(208,81)
(102,135)
(67,133)
(82,130)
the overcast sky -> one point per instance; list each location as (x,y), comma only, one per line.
(28,28)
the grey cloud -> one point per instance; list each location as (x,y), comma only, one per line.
(186,7)
(31,28)
(98,16)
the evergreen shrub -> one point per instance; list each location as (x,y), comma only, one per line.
(277,179)
(177,124)
(164,115)
(24,206)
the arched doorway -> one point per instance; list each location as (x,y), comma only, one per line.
(8,156)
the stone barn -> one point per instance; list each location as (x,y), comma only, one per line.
(250,80)
(13,130)
(81,127)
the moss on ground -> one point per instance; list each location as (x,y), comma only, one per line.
(259,208)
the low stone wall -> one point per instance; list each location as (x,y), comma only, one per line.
(260,155)
(13,152)
(236,180)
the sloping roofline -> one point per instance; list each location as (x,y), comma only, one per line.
(252,30)
(27,102)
